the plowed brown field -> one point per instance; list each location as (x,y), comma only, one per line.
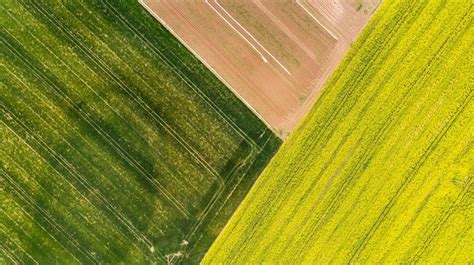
(275,55)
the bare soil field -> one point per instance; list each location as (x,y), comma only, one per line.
(275,55)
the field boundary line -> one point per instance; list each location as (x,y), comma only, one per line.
(191,84)
(234,187)
(220,191)
(381,133)
(233,90)
(362,159)
(283,186)
(216,196)
(220,188)
(252,154)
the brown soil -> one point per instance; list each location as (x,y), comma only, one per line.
(275,55)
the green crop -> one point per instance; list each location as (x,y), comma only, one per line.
(116,144)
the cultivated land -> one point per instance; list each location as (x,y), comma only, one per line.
(381,170)
(275,55)
(117,144)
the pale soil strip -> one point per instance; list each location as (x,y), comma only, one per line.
(317,21)
(234,91)
(238,32)
(285,29)
(253,38)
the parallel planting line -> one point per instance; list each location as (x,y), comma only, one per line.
(35,183)
(81,179)
(3,228)
(432,146)
(107,137)
(29,201)
(110,107)
(133,95)
(369,152)
(184,77)
(104,200)
(136,98)
(198,157)
(308,151)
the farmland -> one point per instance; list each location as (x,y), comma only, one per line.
(116,144)
(381,168)
(275,55)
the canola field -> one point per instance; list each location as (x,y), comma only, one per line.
(381,169)
(116,144)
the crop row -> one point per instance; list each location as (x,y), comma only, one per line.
(112,150)
(370,174)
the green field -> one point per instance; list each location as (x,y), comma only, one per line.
(116,144)
(381,169)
